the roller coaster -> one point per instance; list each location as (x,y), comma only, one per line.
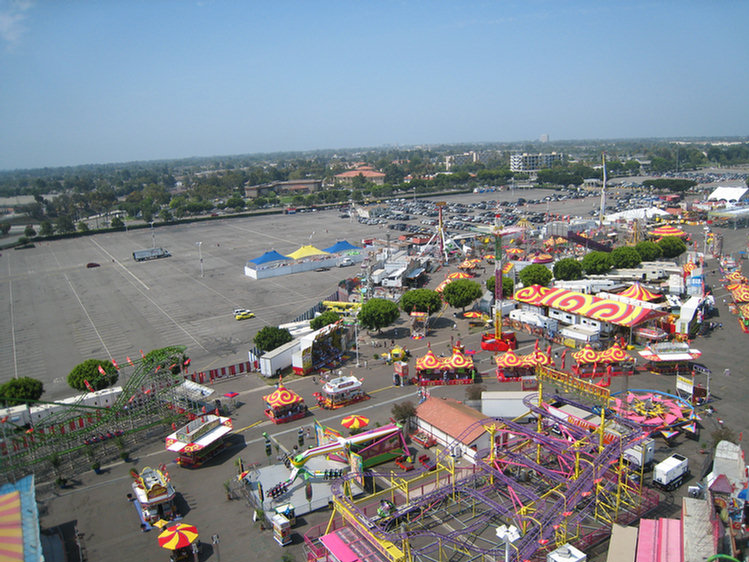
(59,429)
(567,486)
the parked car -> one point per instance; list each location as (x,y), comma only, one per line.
(243,314)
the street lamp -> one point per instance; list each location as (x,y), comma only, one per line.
(200,254)
(153,236)
(508,535)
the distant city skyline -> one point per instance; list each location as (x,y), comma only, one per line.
(101,82)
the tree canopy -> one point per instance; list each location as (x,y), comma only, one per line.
(88,371)
(421,300)
(672,246)
(508,285)
(375,314)
(625,256)
(271,337)
(673,185)
(21,391)
(327,317)
(649,251)
(596,263)
(461,292)
(535,274)
(568,269)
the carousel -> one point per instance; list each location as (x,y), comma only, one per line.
(513,367)
(456,369)
(284,405)
(613,361)
(672,358)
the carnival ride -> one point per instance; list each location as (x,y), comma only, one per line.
(149,397)
(562,489)
(657,412)
(497,340)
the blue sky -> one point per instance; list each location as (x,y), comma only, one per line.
(114,81)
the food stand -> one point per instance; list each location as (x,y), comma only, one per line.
(670,358)
(339,392)
(284,405)
(514,367)
(154,494)
(456,369)
(199,440)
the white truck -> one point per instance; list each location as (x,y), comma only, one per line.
(671,473)
(641,454)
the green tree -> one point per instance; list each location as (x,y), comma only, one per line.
(271,337)
(29,231)
(89,371)
(45,229)
(672,246)
(568,269)
(403,411)
(649,251)
(235,202)
(421,300)
(327,317)
(461,293)
(508,286)
(535,274)
(4,228)
(117,222)
(82,227)
(375,314)
(21,391)
(64,224)
(625,256)
(596,263)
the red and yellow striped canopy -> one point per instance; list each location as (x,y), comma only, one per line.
(282,396)
(11,529)
(667,230)
(178,536)
(640,293)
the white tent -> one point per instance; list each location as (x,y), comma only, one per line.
(644,213)
(729,194)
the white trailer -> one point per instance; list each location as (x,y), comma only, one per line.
(278,359)
(671,473)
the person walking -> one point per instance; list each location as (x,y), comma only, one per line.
(727,372)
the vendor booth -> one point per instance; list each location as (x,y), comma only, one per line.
(513,367)
(154,494)
(199,440)
(339,392)
(456,369)
(670,358)
(613,361)
(284,405)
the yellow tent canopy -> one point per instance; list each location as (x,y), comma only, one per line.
(305,252)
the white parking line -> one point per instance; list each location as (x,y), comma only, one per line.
(115,260)
(12,324)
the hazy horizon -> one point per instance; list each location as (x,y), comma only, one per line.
(94,83)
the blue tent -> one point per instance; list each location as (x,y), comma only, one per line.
(341,246)
(268,257)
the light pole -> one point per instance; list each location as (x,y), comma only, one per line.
(356,339)
(508,535)
(153,236)
(200,255)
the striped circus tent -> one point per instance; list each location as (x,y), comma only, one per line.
(667,230)
(741,293)
(640,293)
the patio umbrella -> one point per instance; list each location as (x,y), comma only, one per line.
(472,314)
(231,394)
(354,422)
(459,275)
(178,536)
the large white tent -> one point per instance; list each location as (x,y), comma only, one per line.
(729,194)
(632,214)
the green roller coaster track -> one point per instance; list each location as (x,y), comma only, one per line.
(147,399)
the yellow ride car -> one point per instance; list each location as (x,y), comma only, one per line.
(243,314)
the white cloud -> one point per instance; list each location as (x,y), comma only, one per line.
(12,16)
